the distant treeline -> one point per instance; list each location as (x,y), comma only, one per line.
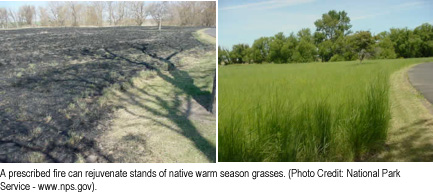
(333,41)
(111,13)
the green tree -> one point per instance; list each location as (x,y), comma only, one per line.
(330,34)
(333,24)
(342,49)
(289,48)
(405,43)
(276,44)
(306,50)
(425,34)
(238,53)
(325,50)
(319,37)
(384,47)
(362,43)
(305,34)
(248,55)
(260,50)
(223,56)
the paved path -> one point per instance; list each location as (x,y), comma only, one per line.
(210,31)
(421,77)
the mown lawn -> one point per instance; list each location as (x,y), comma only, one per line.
(337,111)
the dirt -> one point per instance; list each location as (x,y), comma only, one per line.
(51,81)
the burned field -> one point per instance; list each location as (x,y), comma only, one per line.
(51,81)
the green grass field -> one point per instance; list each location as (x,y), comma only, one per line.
(337,111)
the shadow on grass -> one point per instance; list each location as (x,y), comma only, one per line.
(413,143)
(172,110)
(51,114)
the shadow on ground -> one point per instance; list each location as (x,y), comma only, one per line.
(49,112)
(171,108)
(414,143)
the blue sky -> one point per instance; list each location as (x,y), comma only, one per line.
(243,21)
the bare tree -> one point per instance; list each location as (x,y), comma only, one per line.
(110,10)
(119,12)
(35,16)
(208,13)
(99,10)
(158,11)
(94,13)
(91,15)
(4,18)
(185,11)
(15,18)
(57,11)
(138,11)
(116,13)
(26,14)
(75,11)
(44,16)
(193,13)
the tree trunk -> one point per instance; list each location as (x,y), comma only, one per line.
(159,25)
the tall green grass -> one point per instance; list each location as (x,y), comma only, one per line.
(304,112)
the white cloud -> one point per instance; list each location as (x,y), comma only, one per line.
(392,9)
(267,4)
(410,5)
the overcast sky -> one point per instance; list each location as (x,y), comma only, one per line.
(243,21)
(16,4)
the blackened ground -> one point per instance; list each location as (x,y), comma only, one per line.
(50,80)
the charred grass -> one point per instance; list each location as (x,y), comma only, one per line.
(52,82)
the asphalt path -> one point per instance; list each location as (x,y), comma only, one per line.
(421,77)
(210,32)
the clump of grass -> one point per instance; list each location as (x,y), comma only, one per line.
(305,112)
(19,74)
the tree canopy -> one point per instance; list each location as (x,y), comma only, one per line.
(333,40)
(333,24)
